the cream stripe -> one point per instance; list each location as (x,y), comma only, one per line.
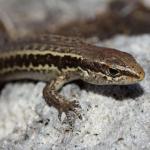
(36,52)
(40,68)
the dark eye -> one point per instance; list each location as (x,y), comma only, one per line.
(113,72)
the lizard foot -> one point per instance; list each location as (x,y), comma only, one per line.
(71,110)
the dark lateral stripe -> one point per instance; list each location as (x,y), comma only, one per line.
(61,62)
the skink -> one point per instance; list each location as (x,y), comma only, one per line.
(59,59)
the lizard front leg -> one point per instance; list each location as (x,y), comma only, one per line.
(53,98)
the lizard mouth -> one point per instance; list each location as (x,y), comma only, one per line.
(141,74)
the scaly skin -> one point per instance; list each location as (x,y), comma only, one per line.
(59,59)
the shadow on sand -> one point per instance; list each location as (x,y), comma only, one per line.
(119,92)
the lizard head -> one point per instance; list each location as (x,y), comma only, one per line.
(110,66)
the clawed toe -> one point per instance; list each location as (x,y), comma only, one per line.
(75,107)
(76,104)
(72,111)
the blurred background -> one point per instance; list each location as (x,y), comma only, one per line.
(86,18)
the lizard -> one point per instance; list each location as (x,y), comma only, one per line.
(58,60)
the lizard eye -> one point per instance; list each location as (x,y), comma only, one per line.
(113,72)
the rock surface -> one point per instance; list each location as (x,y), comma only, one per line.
(114,117)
